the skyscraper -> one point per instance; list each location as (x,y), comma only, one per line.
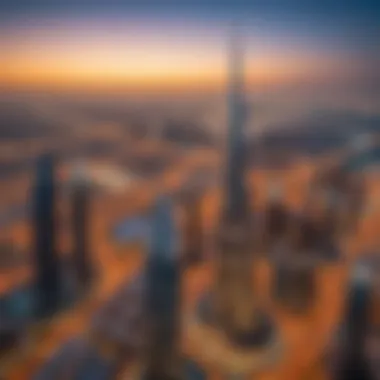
(353,363)
(316,230)
(276,219)
(163,292)
(44,236)
(236,203)
(235,308)
(295,265)
(80,223)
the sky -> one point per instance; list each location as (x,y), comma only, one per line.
(183,44)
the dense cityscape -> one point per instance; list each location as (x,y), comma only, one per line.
(166,249)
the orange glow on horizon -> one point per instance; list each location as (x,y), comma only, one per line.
(113,55)
(103,65)
(31,75)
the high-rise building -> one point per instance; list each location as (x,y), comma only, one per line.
(236,202)
(276,219)
(234,304)
(354,195)
(338,198)
(44,237)
(352,362)
(80,225)
(295,265)
(295,283)
(162,296)
(317,229)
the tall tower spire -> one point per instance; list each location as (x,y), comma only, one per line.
(236,201)
(233,312)
(235,305)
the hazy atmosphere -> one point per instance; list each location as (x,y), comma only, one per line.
(189,189)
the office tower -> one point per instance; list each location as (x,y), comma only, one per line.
(340,196)
(304,233)
(295,284)
(337,203)
(192,230)
(44,237)
(294,278)
(163,292)
(234,304)
(276,219)
(317,233)
(352,362)
(355,197)
(80,225)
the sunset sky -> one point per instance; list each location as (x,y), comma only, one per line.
(130,44)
